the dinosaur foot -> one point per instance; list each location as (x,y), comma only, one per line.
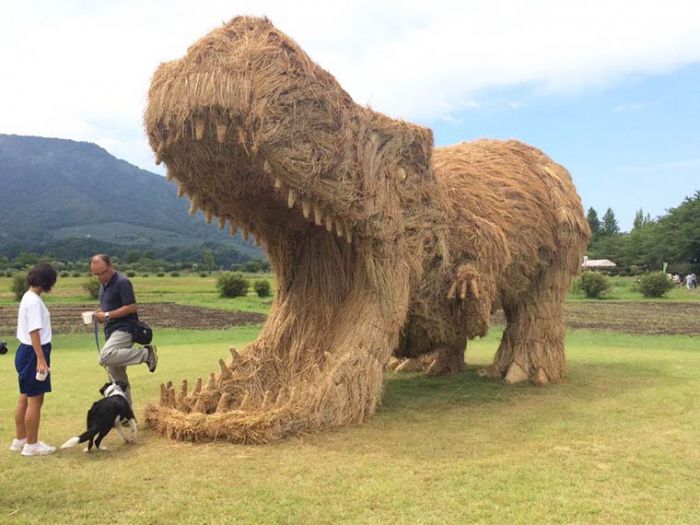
(439,362)
(514,374)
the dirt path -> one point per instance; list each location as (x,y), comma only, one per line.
(65,318)
(632,317)
(626,317)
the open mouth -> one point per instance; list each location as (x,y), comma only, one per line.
(240,185)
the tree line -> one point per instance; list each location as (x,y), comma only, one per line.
(673,238)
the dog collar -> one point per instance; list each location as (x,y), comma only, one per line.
(114,390)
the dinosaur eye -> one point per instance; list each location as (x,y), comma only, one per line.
(400,174)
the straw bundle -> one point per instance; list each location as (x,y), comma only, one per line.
(358,223)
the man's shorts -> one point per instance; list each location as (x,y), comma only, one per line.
(25,363)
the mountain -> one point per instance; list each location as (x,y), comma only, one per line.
(54,192)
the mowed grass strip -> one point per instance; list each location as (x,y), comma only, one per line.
(192,289)
(189,289)
(617,442)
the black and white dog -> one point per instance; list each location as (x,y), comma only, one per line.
(111,412)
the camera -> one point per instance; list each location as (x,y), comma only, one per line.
(3,347)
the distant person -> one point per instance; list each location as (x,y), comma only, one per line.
(118,313)
(690,281)
(33,361)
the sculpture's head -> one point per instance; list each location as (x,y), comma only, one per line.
(258,135)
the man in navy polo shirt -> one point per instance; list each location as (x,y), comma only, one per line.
(118,313)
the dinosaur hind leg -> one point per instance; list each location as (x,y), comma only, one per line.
(532,346)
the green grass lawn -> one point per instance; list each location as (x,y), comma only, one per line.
(190,289)
(623,290)
(618,442)
(194,290)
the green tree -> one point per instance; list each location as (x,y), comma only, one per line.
(593,222)
(610,226)
(208,259)
(678,232)
(641,220)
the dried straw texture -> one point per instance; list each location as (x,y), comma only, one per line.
(357,225)
(517,235)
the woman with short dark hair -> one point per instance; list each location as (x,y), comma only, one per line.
(32,361)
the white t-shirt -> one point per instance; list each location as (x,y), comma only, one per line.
(33,315)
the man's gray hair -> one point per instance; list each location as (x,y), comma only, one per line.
(102,257)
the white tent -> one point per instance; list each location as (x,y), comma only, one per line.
(594,264)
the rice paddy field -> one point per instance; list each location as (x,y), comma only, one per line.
(617,442)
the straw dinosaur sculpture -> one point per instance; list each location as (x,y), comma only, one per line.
(381,244)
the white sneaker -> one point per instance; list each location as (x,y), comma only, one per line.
(37,449)
(17,444)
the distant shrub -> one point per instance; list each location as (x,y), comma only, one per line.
(174,274)
(262,287)
(160,274)
(76,274)
(19,286)
(593,284)
(92,287)
(8,273)
(654,284)
(131,274)
(65,274)
(203,274)
(144,275)
(232,285)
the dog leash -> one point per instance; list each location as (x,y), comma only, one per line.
(97,344)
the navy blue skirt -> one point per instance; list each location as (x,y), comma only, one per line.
(25,363)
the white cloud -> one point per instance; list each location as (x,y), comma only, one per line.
(636,106)
(81,69)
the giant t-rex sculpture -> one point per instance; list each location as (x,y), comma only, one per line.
(380,243)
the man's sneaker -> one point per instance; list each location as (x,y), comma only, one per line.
(152,357)
(17,444)
(37,449)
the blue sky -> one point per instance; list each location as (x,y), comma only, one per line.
(608,88)
(632,144)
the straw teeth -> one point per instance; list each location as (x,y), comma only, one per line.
(224,402)
(221,132)
(199,125)
(225,371)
